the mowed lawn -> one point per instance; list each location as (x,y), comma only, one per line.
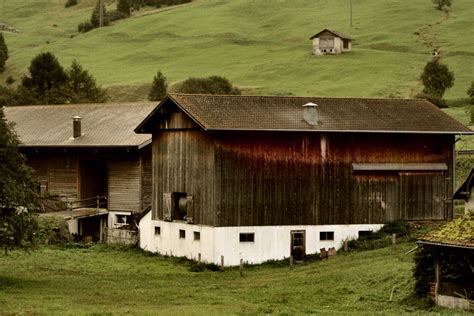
(101,279)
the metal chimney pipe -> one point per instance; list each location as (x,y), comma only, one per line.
(311,113)
(76,126)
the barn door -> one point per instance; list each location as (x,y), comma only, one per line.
(422,195)
(298,244)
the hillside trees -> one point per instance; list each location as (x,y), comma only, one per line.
(3,52)
(436,78)
(440,4)
(82,86)
(158,87)
(209,85)
(18,192)
(123,6)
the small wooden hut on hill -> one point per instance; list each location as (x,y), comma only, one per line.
(331,42)
(88,156)
(259,178)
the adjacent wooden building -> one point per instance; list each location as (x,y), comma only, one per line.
(81,152)
(256,177)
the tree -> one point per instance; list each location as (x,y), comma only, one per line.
(158,87)
(95,18)
(48,80)
(83,87)
(18,192)
(470,92)
(209,85)
(123,6)
(3,52)
(436,79)
(440,4)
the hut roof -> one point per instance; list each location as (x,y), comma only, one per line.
(103,125)
(270,113)
(463,192)
(335,33)
(457,233)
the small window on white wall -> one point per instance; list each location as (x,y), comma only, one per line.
(157,230)
(182,234)
(247,237)
(326,235)
(197,236)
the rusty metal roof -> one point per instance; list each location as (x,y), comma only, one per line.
(271,113)
(336,33)
(103,125)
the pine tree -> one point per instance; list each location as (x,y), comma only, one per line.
(3,53)
(18,192)
(83,87)
(123,6)
(158,87)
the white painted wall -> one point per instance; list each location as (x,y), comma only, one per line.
(271,242)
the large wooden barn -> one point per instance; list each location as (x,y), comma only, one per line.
(81,152)
(259,178)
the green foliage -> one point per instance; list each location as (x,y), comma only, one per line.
(3,52)
(18,192)
(52,230)
(123,6)
(85,27)
(95,17)
(47,82)
(70,3)
(116,15)
(436,78)
(470,93)
(158,87)
(209,85)
(83,87)
(380,238)
(440,4)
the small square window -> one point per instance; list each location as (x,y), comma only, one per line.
(182,233)
(157,230)
(365,234)
(197,236)
(247,237)
(326,235)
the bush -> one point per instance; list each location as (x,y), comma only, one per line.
(439,102)
(380,238)
(470,93)
(209,85)
(85,27)
(436,78)
(116,15)
(70,3)
(52,230)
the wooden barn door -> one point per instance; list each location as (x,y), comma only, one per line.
(298,244)
(422,196)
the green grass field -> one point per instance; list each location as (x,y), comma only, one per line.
(102,280)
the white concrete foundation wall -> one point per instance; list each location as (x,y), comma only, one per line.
(271,242)
(73,226)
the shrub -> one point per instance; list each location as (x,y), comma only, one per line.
(70,3)
(439,102)
(52,230)
(436,78)
(85,27)
(209,85)
(116,15)
(470,93)
(10,80)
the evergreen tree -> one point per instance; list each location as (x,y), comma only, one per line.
(18,192)
(95,18)
(158,87)
(436,79)
(123,6)
(47,81)
(3,53)
(83,87)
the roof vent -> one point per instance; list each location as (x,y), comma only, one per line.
(311,113)
(76,127)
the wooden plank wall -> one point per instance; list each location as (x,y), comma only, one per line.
(146,176)
(125,183)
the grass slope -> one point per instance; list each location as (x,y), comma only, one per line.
(103,280)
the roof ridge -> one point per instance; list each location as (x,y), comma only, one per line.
(82,104)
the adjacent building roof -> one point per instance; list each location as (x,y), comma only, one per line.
(335,33)
(463,192)
(102,125)
(457,233)
(270,113)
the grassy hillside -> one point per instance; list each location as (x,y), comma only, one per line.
(101,280)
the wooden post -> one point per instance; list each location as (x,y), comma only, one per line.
(98,203)
(437,275)
(346,246)
(394,239)
(291,262)
(222,263)
(199,257)
(241,267)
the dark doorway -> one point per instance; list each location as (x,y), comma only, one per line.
(298,244)
(93,179)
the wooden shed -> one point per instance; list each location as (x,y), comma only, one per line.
(85,151)
(255,177)
(331,42)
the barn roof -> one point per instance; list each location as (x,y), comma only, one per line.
(270,113)
(103,125)
(336,33)
(464,190)
(457,233)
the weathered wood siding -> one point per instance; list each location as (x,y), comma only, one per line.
(240,179)
(146,181)
(183,161)
(125,184)
(60,172)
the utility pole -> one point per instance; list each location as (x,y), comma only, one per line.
(350,1)
(101,13)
